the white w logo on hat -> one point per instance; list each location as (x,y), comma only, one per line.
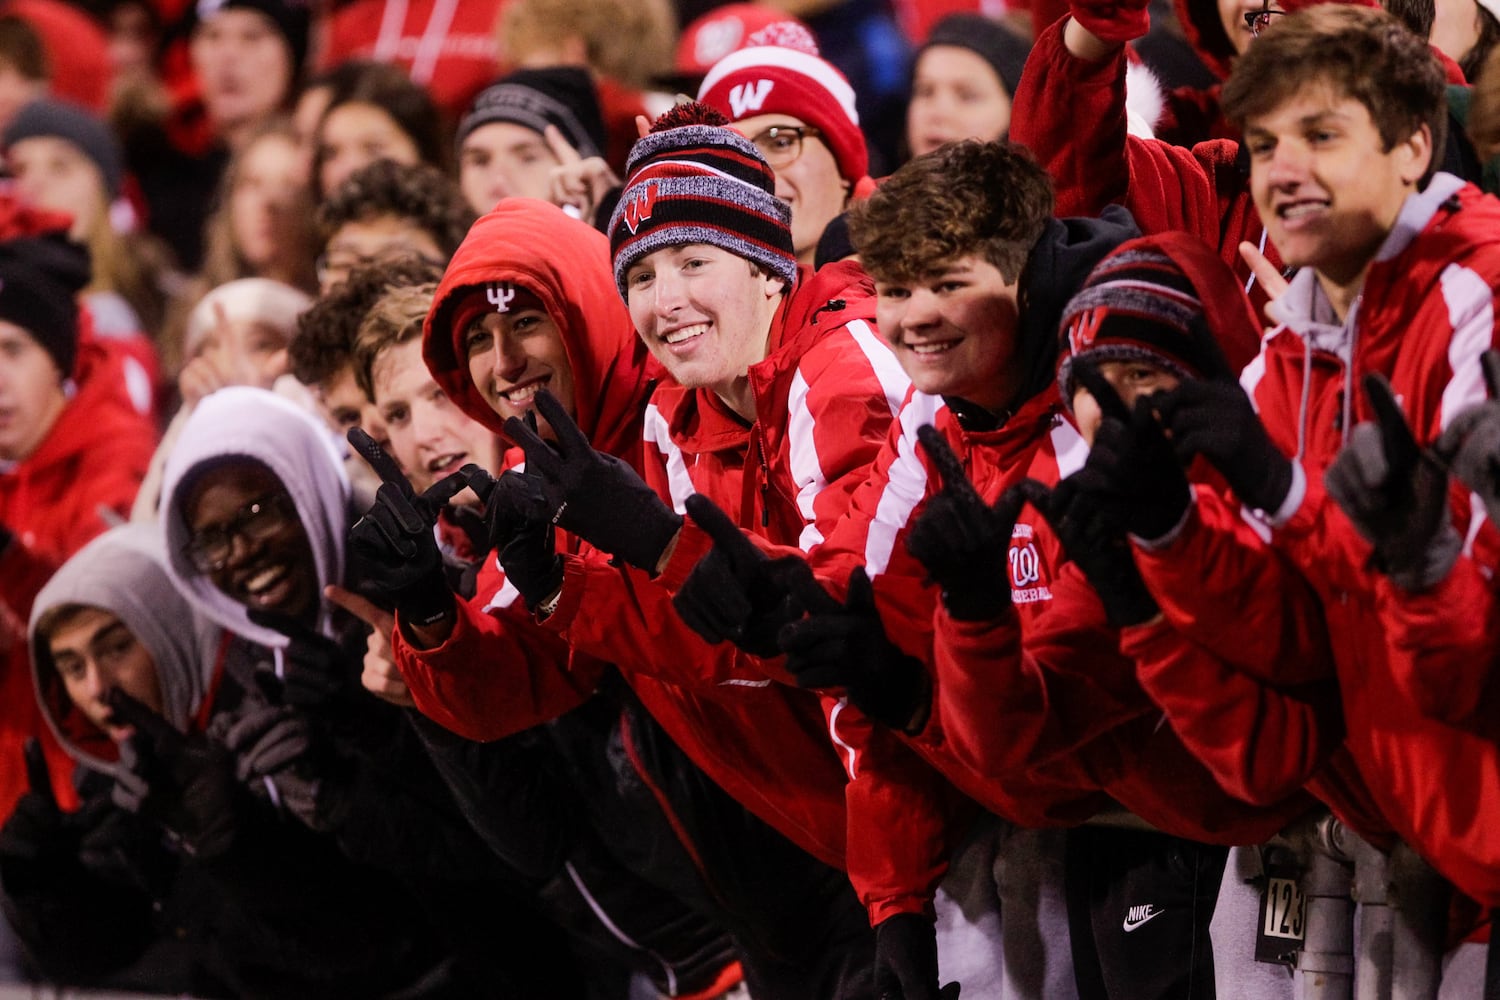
(745,97)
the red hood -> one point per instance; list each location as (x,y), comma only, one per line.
(565,263)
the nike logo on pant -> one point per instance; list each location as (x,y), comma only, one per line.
(1139,916)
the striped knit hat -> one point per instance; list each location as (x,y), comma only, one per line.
(1138,304)
(692,180)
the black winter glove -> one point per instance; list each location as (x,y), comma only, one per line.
(1470,445)
(963,542)
(277,756)
(906,966)
(1396,495)
(184,784)
(845,646)
(1217,421)
(1134,464)
(316,673)
(396,541)
(1083,514)
(35,844)
(595,496)
(736,593)
(516,518)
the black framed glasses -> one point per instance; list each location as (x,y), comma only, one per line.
(209,550)
(1259,20)
(782,144)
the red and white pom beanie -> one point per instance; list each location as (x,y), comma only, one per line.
(773,79)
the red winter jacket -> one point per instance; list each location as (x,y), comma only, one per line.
(85,472)
(824,400)
(1426,313)
(1200,190)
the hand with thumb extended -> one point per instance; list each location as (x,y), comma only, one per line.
(1396,494)
(184,784)
(395,540)
(846,646)
(736,593)
(962,541)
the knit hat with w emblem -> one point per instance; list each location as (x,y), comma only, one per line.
(1165,300)
(693,180)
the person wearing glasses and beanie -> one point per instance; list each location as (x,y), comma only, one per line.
(798,110)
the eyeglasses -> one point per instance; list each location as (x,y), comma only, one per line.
(1259,20)
(782,144)
(209,550)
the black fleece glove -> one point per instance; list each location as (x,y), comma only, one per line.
(183,784)
(395,538)
(962,541)
(278,755)
(1217,421)
(1134,465)
(317,673)
(736,593)
(595,496)
(1085,517)
(845,646)
(906,966)
(1396,495)
(1471,443)
(516,518)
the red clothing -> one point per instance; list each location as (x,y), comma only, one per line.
(1037,712)
(824,400)
(1426,312)
(77,50)
(88,466)
(444,45)
(1201,191)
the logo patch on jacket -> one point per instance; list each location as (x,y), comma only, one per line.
(1027,583)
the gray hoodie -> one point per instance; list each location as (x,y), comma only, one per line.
(124,572)
(253,423)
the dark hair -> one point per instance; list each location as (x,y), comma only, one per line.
(990,199)
(1363,53)
(424,195)
(1417,15)
(1489,34)
(326,332)
(21,47)
(388,88)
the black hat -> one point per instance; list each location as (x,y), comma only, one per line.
(52,118)
(535,98)
(987,38)
(291,17)
(39,277)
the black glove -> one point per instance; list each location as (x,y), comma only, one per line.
(963,542)
(1217,421)
(906,966)
(395,537)
(1085,519)
(34,843)
(1471,443)
(316,673)
(516,518)
(184,784)
(845,646)
(595,496)
(1396,495)
(1134,461)
(736,593)
(277,756)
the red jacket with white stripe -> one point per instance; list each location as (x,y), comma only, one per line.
(1037,712)
(1425,314)
(825,397)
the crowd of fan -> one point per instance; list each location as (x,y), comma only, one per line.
(502,500)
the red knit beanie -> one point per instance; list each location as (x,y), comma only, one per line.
(772,79)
